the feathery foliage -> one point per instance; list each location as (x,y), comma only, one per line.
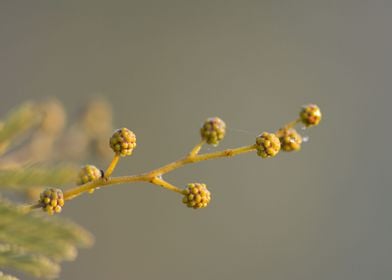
(31,242)
(35,244)
(21,179)
(7,277)
(17,123)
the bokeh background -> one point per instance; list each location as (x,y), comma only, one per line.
(322,213)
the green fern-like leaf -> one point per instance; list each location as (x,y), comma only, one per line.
(7,277)
(15,257)
(17,123)
(31,242)
(22,178)
(35,244)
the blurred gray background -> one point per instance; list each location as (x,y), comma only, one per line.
(322,213)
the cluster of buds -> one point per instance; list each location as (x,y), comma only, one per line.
(51,200)
(213,131)
(123,141)
(310,115)
(195,195)
(267,145)
(87,174)
(287,139)
(290,139)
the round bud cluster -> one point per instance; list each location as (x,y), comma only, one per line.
(267,145)
(52,200)
(123,141)
(196,196)
(213,130)
(290,140)
(310,115)
(88,173)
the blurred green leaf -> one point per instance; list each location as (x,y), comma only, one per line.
(36,244)
(7,277)
(25,177)
(16,123)
(37,265)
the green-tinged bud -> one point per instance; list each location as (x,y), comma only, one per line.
(88,173)
(213,130)
(51,200)
(267,145)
